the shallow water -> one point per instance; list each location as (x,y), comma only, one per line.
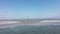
(48,29)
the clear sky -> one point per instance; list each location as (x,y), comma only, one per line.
(20,9)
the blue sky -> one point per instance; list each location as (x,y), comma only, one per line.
(20,9)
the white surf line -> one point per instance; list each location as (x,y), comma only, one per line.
(7,22)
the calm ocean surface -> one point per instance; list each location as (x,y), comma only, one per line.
(27,29)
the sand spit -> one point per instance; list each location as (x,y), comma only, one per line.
(7,22)
(12,24)
(30,22)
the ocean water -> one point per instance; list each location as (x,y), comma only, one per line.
(26,29)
